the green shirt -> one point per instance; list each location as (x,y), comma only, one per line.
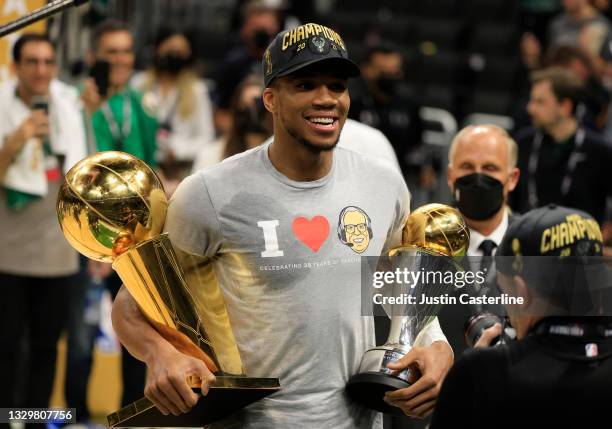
(136,138)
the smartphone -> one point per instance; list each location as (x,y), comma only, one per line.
(100,73)
(40,103)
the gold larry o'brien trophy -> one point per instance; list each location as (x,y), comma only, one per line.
(112,208)
(433,238)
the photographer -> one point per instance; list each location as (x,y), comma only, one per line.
(557,373)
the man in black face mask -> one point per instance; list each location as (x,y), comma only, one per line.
(260,23)
(379,101)
(481,174)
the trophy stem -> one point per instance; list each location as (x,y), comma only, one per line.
(153,276)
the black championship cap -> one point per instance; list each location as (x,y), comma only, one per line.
(554,248)
(302,46)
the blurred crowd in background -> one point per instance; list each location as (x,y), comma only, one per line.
(179,84)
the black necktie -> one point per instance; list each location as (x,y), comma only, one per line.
(487,247)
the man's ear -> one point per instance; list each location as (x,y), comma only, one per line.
(269,100)
(515,174)
(568,106)
(522,290)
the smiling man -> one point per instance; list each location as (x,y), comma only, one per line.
(119,120)
(355,229)
(292,287)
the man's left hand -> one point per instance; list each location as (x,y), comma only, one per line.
(428,367)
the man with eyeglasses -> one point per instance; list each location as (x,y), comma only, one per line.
(41,136)
(354,229)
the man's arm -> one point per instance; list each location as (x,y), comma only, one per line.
(36,125)
(168,369)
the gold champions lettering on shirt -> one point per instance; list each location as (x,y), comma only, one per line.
(566,233)
(305,31)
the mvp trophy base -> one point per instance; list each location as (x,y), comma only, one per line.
(369,388)
(226,396)
(374,379)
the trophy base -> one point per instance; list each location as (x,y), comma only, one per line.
(369,388)
(226,396)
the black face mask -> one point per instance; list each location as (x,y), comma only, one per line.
(261,39)
(478,196)
(171,63)
(387,84)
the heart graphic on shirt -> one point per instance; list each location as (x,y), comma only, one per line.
(313,232)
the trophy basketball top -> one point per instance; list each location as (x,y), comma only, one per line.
(109,202)
(437,228)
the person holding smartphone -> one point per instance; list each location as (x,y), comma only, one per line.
(118,118)
(41,136)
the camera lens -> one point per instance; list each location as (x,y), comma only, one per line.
(476,324)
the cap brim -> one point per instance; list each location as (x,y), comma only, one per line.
(348,67)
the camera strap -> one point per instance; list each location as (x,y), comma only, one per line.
(119,135)
(534,159)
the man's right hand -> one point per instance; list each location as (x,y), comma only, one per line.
(488,335)
(91,98)
(167,385)
(35,125)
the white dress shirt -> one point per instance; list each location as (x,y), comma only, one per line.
(496,236)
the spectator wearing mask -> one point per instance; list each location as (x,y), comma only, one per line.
(182,103)
(379,102)
(561,161)
(481,174)
(42,135)
(259,25)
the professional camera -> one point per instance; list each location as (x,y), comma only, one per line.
(477,323)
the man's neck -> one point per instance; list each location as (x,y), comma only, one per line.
(24,94)
(298,162)
(564,130)
(115,89)
(487,226)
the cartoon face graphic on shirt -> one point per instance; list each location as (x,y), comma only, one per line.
(355,229)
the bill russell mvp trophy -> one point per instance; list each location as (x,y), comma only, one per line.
(434,237)
(112,208)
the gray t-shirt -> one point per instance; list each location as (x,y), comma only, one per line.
(287,258)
